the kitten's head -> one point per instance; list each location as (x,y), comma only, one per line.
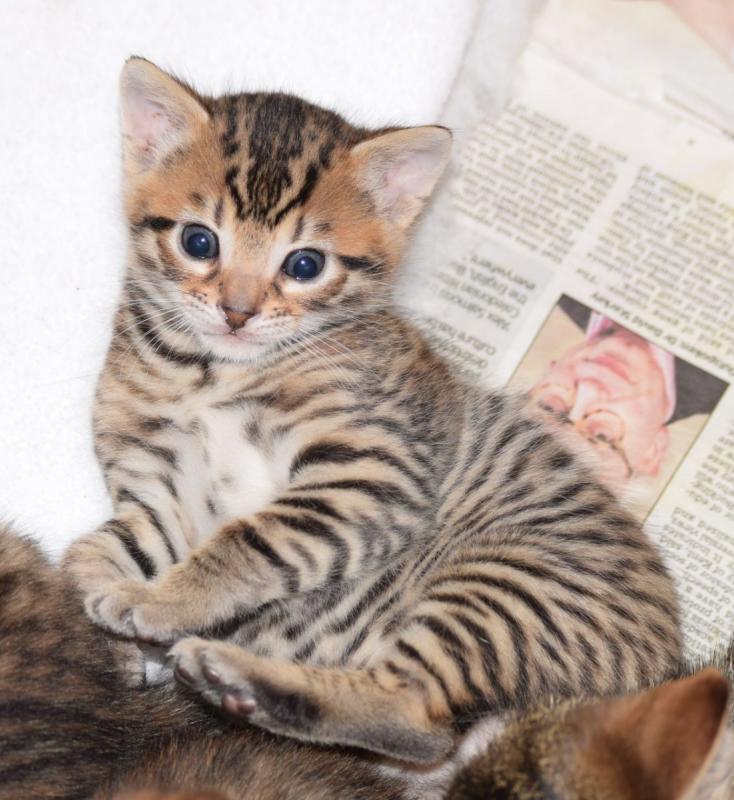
(668,743)
(257,218)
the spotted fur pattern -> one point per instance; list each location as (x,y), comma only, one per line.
(346,543)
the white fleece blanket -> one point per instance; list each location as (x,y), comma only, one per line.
(61,234)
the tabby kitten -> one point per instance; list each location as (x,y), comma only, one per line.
(69,726)
(344,542)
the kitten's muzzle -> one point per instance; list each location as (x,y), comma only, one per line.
(236,317)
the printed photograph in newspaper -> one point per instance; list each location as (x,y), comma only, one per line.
(634,408)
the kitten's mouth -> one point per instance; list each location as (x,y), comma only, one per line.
(235,347)
(239,337)
(236,344)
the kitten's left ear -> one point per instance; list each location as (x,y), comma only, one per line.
(159,114)
(399,169)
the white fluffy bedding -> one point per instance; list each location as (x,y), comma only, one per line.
(61,234)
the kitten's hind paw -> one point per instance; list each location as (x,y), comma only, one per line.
(206,667)
(269,694)
(223,674)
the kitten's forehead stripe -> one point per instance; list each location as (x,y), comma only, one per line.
(277,146)
(230,179)
(230,145)
(309,184)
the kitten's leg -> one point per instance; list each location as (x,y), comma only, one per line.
(386,709)
(145,536)
(109,555)
(126,549)
(318,533)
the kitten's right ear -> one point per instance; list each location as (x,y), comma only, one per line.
(159,114)
(399,169)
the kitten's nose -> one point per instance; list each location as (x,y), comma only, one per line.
(236,317)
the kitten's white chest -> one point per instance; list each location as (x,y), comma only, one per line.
(223,475)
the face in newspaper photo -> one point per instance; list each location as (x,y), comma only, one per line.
(631,405)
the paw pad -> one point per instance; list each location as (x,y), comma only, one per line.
(238,706)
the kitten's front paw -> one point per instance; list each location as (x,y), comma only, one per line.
(133,609)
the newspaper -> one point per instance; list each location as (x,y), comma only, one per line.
(590,261)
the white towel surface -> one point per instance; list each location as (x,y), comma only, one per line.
(61,234)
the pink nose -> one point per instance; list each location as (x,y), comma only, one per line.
(236,318)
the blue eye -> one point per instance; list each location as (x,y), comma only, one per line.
(199,242)
(304,265)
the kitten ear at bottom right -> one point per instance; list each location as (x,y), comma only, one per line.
(668,743)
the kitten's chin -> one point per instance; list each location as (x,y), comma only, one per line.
(228,347)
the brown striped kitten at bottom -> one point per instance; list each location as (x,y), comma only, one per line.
(70,729)
(342,540)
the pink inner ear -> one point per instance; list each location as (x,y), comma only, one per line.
(412,177)
(147,122)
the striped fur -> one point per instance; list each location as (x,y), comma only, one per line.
(68,725)
(346,542)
